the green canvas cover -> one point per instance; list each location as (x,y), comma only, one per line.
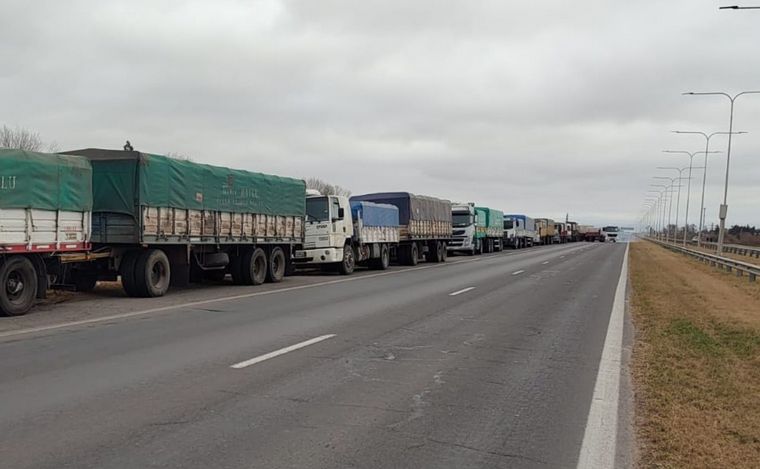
(44,181)
(493,220)
(124,180)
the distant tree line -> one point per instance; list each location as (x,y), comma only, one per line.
(325,188)
(24,139)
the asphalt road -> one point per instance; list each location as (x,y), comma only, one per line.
(406,375)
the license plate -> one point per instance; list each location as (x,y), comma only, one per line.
(300,253)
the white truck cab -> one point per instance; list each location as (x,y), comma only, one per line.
(463,223)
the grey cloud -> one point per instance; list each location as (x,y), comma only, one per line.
(542,107)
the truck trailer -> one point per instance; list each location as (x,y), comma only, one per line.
(158,221)
(493,232)
(424,225)
(45,205)
(343,233)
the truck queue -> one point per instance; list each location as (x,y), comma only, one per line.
(72,219)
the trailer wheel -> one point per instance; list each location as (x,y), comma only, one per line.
(276,270)
(18,285)
(444,251)
(127,273)
(346,267)
(441,249)
(414,254)
(152,273)
(254,267)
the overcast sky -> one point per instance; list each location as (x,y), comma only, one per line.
(537,107)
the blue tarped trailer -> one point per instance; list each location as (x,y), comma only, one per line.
(373,214)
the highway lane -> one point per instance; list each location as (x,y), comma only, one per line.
(489,362)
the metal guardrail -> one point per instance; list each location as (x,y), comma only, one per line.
(748,251)
(725,263)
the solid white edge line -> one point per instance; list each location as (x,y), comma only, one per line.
(600,437)
(281,351)
(517,272)
(459,292)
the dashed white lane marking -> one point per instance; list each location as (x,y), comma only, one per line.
(459,292)
(561,257)
(517,272)
(282,351)
(545,262)
(600,438)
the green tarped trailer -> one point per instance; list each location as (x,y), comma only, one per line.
(166,219)
(45,204)
(490,227)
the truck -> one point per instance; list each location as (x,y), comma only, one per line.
(342,233)
(159,222)
(590,233)
(519,231)
(45,206)
(475,229)
(467,229)
(425,225)
(610,233)
(546,230)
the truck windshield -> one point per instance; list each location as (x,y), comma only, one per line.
(461,219)
(508,224)
(610,229)
(317,209)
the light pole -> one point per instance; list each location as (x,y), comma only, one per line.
(659,211)
(669,189)
(704,175)
(678,197)
(688,190)
(678,200)
(724,207)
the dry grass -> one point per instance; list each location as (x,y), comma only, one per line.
(696,362)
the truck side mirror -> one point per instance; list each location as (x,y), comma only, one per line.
(341,213)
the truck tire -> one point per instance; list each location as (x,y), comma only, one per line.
(18,285)
(127,273)
(276,267)
(152,273)
(414,254)
(382,262)
(444,251)
(346,267)
(254,267)
(441,249)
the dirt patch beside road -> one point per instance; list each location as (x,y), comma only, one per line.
(696,362)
